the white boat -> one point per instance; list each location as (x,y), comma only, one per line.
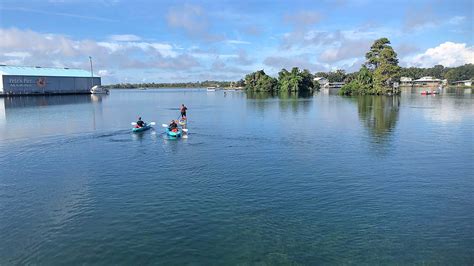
(211,88)
(99,90)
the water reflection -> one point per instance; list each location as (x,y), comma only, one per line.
(24,113)
(3,116)
(38,101)
(287,100)
(295,101)
(406,91)
(379,114)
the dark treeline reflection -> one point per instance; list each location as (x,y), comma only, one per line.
(379,114)
(293,100)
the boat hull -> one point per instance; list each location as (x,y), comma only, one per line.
(173,134)
(141,129)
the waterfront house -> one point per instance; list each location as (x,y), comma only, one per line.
(335,85)
(406,81)
(427,82)
(467,83)
(321,80)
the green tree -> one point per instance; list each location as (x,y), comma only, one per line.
(460,73)
(259,81)
(360,85)
(382,60)
(337,76)
(295,81)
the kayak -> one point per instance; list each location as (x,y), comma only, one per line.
(173,134)
(141,129)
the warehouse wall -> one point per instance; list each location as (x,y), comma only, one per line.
(41,85)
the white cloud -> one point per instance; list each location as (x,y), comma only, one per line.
(345,50)
(62,51)
(302,61)
(163,48)
(456,20)
(105,73)
(237,42)
(124,38)
(193,19)
(448,54)
(17,54)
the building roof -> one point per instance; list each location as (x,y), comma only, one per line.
(43,71)
(426,79)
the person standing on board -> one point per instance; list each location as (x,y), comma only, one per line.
(183,111)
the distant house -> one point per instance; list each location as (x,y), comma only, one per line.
(321,80)
(467,82)
(406,81)
(427,82)
(325,84)
(334,85)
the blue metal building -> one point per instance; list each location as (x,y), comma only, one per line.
(20,80)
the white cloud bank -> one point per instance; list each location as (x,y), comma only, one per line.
(26,47)
(448,54)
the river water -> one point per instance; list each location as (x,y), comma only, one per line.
(262,179)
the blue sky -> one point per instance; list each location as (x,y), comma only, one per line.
(168,41)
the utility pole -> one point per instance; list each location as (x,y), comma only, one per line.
(92,73)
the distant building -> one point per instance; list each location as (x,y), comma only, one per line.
(321,80)
(467,82)
(334,85)
(325,84)
(427,82)
(21,80)
(406,81)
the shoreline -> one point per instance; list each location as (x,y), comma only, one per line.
(160,88)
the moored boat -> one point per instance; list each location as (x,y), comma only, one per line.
(99,90)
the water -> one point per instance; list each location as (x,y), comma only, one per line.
(304,180)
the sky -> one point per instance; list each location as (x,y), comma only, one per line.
(181,41)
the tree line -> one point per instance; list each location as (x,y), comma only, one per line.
(452,74)
(377,76)
(439,71)
(295,80)
(198,84)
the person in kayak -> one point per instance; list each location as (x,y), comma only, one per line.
(183,110)
(173,126)
(140,122)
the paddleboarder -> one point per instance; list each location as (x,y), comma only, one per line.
(183,110)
